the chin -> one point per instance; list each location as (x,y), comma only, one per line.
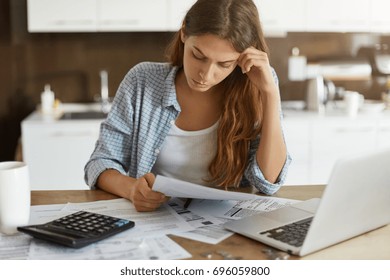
(201,89)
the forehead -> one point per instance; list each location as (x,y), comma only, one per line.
(213,47)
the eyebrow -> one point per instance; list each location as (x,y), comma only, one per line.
(227,61)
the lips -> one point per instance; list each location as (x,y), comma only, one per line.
(199,83)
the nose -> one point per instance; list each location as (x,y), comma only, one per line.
(206,73)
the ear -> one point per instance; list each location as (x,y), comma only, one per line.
(183,37)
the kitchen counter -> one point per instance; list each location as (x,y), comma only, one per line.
(316,141)
(335,112)
(57,149)
(63,109)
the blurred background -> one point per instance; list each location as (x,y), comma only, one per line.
(70,61)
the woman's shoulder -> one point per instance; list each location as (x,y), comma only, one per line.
(156,75)
(151,69)
(148,77)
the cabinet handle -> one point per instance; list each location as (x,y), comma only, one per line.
(348,130)
(129,22)
(72,134)
(72,22)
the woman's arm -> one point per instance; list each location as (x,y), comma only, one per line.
(139,191)
(111,165)
(271,153)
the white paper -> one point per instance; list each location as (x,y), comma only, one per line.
(231,209)
(117,247)
(41,214)
(214,232)
(177,188)
(211,234)
(14,247)
(17,246)
(208,229)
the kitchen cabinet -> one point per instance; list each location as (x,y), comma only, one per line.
(61,15)
(317,142)
(333,139)
(135,15)
(379,16)
(177,9)
(297,135)
(274,19)
(383,134)
(97,15)
(338,16)
(56,151)
(278,16)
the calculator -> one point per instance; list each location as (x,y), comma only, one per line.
(78,229)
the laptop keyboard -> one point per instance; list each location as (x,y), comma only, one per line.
(293,234)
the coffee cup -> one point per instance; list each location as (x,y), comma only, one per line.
(14,196)
(353,101)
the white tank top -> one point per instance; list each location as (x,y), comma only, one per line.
(186,155)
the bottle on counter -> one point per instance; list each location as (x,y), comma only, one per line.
(47,100)
(297,66)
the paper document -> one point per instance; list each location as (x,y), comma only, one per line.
(14,247)
(177,188)
(117,247)
(235,210)
(207,228)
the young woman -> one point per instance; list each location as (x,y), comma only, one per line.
(210,116)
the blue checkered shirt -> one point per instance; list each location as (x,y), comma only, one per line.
(141,116)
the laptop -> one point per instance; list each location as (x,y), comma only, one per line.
(356,200)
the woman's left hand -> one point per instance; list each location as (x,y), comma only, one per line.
(255,64)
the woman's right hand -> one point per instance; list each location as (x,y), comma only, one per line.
(142,195)
(139,191)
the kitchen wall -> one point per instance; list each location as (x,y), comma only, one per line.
(71,62)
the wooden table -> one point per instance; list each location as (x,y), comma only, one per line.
(372,245)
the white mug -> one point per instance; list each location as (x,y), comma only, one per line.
(353,100)
(14,196)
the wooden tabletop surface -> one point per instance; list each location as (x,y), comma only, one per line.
(372,245)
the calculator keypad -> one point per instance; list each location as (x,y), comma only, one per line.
(88,222)
(79,229)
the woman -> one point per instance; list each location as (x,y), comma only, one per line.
(210,116)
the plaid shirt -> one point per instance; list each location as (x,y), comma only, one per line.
(144,108)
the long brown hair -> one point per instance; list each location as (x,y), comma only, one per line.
(238,22)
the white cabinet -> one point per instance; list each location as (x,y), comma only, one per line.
(383,134)
(135,15)
(57,151)
(282,16)
(379,16)
(277,16)
(298,145)
(61,15)
(274,19)
(177,9)
(338,16)
(334,139)
(97,15)
(316,143)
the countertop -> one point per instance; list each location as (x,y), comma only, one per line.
(293,110)
(37,116)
